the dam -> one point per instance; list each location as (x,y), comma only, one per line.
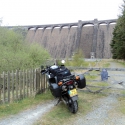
(62,40)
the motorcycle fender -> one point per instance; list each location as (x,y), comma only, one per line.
(74,98)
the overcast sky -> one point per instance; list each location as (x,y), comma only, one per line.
(38,12)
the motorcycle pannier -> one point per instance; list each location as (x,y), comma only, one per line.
(55,90)
(82,81)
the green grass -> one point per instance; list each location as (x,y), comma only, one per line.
(17,106)
(123,92)
(100,84)
(61,114)
(121,106)
(122,62)
(106,65)
(90,77)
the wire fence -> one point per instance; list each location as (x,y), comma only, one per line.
(95,84)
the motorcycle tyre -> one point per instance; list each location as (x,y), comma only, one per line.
(73,106)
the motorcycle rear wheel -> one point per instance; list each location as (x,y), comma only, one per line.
(73,106)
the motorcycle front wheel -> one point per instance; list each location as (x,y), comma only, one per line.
(73,106)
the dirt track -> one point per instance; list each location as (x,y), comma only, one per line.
(28,117)
(104,114)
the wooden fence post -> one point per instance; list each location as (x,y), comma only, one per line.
(20,84)
(13,86)
(17,82)
(35,89)
(37,81)
(33,76)
(24,84)
(41,87)
(46,83)
(4,87)
(8,86)
(42,83)
(30,82)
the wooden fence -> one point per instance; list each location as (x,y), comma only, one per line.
(21,84)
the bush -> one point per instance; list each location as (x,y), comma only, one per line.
(77,60)
(16,53)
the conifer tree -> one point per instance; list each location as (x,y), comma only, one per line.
(118,41)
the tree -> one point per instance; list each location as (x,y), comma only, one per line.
(16,53)
(118,41)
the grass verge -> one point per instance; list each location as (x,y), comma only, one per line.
(18,106)
(121,106)
(100,84)
(61,115)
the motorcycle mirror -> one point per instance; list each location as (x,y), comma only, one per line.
(42,67)
(42,71)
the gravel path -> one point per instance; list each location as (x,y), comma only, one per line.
(114,80)
(99,114)
(105,113)
(28,117)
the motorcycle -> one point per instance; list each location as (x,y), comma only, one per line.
(63,85)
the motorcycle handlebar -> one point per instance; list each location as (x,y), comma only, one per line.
(44,71)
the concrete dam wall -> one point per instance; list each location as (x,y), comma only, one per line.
(62,40)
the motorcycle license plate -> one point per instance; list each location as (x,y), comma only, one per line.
(72,92)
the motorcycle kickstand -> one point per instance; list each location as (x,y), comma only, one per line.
(60,99)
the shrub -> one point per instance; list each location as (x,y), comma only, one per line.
(77,60)
(16,53)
